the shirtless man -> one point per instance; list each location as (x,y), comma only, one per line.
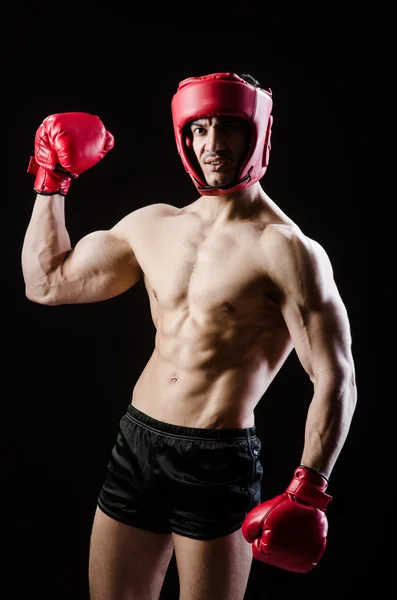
(234,286)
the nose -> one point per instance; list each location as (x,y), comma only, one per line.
(215,141)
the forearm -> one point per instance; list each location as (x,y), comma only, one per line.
(45,245)
(327,425)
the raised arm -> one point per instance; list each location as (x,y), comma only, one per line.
(318,323)
(102,264)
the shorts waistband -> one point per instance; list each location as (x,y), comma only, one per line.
(188,432)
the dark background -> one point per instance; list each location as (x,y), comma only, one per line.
(68,371)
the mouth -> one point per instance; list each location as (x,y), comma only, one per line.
(215,164)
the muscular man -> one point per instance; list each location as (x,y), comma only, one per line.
(234,286)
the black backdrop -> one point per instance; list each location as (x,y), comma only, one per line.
(68,371)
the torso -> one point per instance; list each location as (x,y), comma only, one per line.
(220,336)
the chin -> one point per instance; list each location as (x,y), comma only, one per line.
(218,182)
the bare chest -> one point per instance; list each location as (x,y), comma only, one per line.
(205,268)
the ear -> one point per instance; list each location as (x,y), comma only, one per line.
(188,136)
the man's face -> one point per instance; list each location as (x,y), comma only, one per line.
(220,145)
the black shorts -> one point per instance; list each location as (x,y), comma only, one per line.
(199,483)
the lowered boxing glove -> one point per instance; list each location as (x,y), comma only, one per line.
(290,530)
(66,144)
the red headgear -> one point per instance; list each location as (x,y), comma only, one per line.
(225,94)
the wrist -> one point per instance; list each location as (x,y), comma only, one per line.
(50,183)
(315,471)
(308,485)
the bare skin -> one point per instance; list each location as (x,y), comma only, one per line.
(234,286)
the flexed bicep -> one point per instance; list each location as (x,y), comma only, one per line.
(100,267)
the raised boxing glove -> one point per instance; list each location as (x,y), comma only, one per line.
(66,144)
(290,530)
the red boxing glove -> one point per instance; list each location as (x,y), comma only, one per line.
(66,144)
(290,531)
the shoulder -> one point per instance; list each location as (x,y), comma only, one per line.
(293,261)
(148,211)
(143,217)
(160,208)
(284,241)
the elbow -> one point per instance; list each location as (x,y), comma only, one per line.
(340,385)
(351,384)
(348,391)
(39,297)
(348,382)
(30,295)
(353,395)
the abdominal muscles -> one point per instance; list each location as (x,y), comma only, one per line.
(210,372)
(220,336)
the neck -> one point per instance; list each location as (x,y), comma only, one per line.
(234,205)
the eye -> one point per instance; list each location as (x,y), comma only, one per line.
(235,127)
(198,130)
